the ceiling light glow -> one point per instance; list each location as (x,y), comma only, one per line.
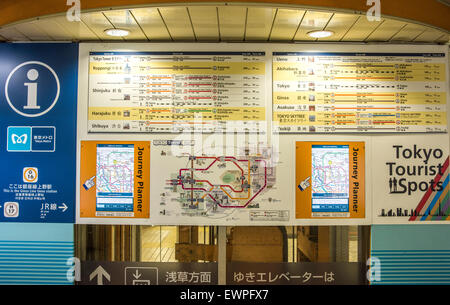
(320,34)
(117,32)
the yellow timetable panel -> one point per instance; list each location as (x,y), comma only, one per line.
(359,92)
(175,91)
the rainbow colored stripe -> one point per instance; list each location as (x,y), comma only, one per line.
(435,205)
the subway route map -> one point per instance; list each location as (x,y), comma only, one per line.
(239,187)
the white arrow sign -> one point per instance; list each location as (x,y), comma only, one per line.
(63,207)
(100,273)
(137,275)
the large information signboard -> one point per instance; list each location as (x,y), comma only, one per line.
(347,101)
(38,102)
(359,92)
(174,91)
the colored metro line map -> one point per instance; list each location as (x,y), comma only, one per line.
(330,169)
(330,184)
(115,168)
(228,187)
(115,179)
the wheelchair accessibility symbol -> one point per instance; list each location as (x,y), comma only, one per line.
(32,89)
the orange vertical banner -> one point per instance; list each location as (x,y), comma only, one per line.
(115,179)
(330,180)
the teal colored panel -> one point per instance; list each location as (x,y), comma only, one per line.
(411,254)
(36,232)
(411,237)
(35,254)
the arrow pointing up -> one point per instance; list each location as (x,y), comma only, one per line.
(137,275)
(100,273)
(63,207)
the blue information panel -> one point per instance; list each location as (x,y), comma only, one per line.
(38,107)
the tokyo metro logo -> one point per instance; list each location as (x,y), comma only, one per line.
(32,89)
(15,139)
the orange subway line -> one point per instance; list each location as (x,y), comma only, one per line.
(208,192)
(248,192)
(350,77)
(359,94)
(179,123)
(364,108)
